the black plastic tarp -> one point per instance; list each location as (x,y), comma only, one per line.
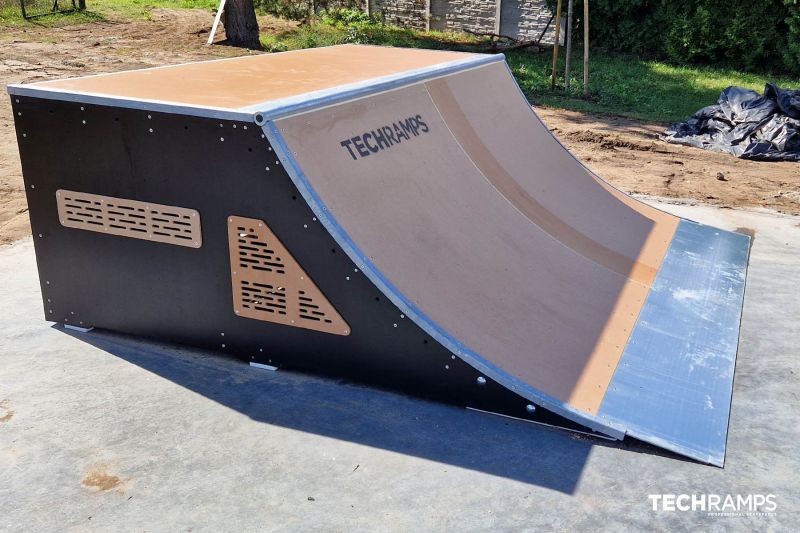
(746,124)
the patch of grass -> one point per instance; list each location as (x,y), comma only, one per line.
(621,85)
(634,87)
(141,8)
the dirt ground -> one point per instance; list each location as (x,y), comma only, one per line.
(625,152)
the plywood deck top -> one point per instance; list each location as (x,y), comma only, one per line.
(239,83)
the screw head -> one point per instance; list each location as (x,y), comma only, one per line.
(481,380)
(530,408)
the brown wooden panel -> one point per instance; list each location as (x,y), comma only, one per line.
(129,218)
(270,285)
(246,81)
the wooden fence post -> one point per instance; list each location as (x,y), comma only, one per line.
(586,47)
(568,53)
(555,45)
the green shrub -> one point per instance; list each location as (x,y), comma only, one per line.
(288,9)
(346,17)
(791,51)
(761,36)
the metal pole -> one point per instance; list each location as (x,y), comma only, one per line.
(568,54)
(555,45)
(586,47)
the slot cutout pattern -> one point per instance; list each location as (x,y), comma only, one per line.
(129,218)
(270,285)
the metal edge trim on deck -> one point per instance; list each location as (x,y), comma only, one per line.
(139,104)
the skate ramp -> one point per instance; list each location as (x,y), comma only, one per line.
(543,287)
(457,201)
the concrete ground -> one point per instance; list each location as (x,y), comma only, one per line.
(101,432)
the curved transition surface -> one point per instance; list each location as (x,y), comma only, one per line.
(471,213)
(543,269)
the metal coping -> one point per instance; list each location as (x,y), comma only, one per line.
(270,109)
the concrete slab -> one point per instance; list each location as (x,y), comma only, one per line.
(100,431)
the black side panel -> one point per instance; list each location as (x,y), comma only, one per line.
(183,295)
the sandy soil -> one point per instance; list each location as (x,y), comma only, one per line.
(630,155)
(625,152)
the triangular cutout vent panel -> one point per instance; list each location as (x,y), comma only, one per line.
(270,285)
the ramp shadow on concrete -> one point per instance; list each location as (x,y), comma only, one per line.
(537,455)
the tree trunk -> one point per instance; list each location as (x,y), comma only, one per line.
(241,26)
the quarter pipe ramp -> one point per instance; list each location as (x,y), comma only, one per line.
(401,217)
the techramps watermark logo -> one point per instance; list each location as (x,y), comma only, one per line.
(722,505)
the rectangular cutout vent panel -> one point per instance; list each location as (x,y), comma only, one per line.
(270,285)
(129,218)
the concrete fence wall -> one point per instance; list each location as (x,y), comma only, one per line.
(520,19)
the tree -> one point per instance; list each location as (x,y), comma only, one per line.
(241,26)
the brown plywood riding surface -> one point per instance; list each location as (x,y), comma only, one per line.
(246,81)
(529,166)
(477,242)
(547,184)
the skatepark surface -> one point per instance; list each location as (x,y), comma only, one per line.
(100,431)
